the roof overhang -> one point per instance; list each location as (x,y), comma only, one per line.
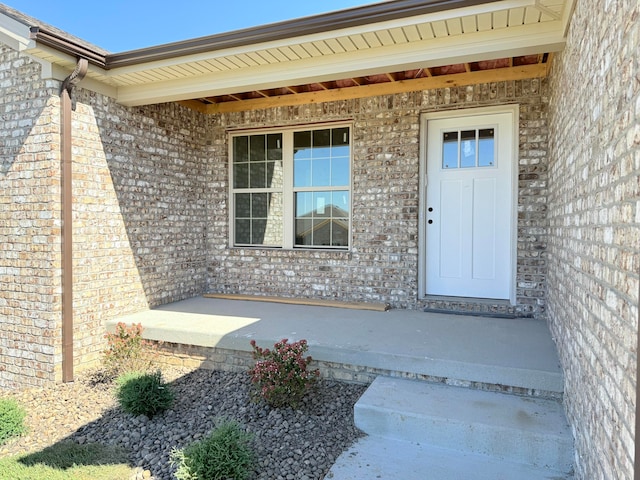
(399,44)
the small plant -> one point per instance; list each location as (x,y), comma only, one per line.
(280,376)
(11,419)
(143,393)
(223,454)
(127,351)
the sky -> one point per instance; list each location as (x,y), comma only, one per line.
(120,25)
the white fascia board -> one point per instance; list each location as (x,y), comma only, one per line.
(525,40)
(569,8)
(14,34)
(58,66)
(373,27)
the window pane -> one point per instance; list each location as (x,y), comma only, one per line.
(340,172)
(340,202)
(304,204)
(340,136)
(273,232)
(258,229)
(258,175)
(340,232)
(257,152)
(275,175)
(274,146)
(322,204)
(243,231)
(468,148)
(486,148)
(302,173)
(322,219)
(241,175)
(243,205)
(340,151)
(259,205)
(321,144)
(321,138)
(240,149)
(259,219)
(302,145)
(321,232)
(450,150)
(321,173)
(304,232)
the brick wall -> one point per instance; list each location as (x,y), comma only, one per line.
(146,172)
(139,212)
(382,265)
(29,224)
(594,212)
(139,219)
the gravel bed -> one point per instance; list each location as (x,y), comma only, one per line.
(290,444)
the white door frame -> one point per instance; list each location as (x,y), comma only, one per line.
(514,110)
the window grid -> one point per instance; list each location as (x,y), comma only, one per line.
(468,148)
(291,188)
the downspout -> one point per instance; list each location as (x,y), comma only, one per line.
(66,138)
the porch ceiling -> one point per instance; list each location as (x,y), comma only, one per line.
(387,47)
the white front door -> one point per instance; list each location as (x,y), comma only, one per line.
(469,206)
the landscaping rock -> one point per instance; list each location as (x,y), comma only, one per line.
(289,444)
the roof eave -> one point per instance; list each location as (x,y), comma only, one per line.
(67,46)
(358,16)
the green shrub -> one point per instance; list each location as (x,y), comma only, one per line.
(11,419)
(280,376)
(224,454)
(142,393)
(127,351)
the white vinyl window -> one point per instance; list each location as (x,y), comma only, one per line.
(291,188)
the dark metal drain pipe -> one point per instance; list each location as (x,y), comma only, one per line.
(66,108)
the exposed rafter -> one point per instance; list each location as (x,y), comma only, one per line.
(383,84)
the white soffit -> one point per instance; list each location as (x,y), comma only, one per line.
(492,30)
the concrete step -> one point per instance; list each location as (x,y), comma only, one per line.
(510,428)
(384,459)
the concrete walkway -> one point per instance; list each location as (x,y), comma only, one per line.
(512,352)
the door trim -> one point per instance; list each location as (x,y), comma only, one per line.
(514,110)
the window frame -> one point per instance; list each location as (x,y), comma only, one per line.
(288,188)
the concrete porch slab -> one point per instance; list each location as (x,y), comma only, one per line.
(510,352)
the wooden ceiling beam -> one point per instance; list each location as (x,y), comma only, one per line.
(548,63)
(387,88)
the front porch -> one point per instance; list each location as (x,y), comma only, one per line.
(507,423)
(513,355)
